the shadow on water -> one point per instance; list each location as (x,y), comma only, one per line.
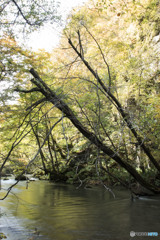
(62,212)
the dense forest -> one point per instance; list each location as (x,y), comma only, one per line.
(88,112)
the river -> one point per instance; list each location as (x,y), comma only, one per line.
(51,211)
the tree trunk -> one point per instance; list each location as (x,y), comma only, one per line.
(62,106)
(119,107)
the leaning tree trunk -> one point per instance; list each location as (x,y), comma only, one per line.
(117,104)
(51,96)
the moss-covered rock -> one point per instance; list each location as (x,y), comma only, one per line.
(21,178)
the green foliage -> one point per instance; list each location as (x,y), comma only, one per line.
(26,14)
(118,41)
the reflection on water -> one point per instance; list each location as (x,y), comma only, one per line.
(61,212)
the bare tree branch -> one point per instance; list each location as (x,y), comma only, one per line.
(22,14)
(26,91)
(105,61)
(36,104)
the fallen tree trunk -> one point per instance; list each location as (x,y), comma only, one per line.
(51,96)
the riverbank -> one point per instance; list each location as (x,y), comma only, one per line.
(133,187)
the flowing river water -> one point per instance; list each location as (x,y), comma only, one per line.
(51,211)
